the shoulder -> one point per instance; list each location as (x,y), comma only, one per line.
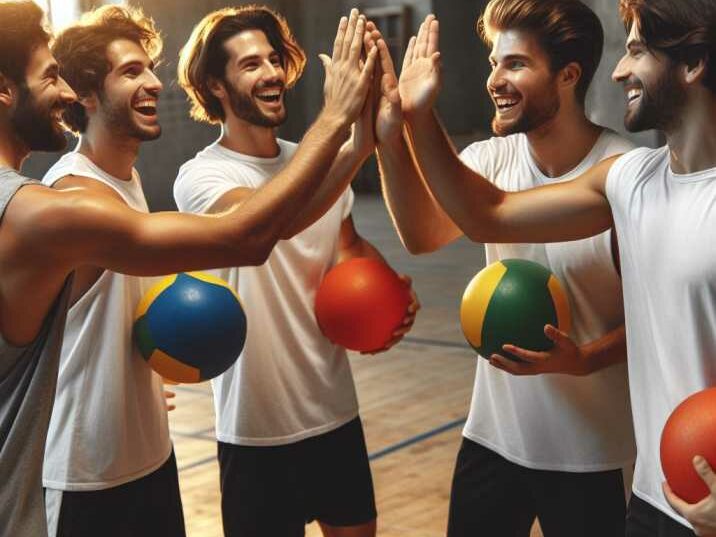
(635,167)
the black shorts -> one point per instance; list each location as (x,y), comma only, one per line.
(492,496)
(645,520)
(148,507)
(273,491)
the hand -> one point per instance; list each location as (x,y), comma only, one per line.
(167,396)
(565,357)
(701,515)
(347,81)
(408,320)
(420,78)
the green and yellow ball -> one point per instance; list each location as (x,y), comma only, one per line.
(190,327)
(511,301)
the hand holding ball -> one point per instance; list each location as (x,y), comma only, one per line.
(190,327)
(360,303)
(689,431)
(511,301)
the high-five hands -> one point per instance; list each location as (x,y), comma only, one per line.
(348,79)
(420,78)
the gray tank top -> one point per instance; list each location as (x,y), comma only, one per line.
(27,388)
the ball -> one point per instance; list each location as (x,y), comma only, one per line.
(511,301)
(360,303)
(689,431)
(190,327)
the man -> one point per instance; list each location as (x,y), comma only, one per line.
(661,202)
(291,446)
(98,482)
(561,440)
(46,234)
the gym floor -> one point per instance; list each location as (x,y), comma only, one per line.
(414,399)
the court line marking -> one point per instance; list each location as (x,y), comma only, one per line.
(371,456)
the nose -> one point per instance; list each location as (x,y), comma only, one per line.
(621,72)
(67,94)
(495,80)
(152,84)
(271,71)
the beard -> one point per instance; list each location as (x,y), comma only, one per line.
(534,115)
(244,107)
(659,107)
(121,121)
(34,124)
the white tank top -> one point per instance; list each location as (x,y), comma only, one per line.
(555,421)
(290,382)
(666,223)
(109,423)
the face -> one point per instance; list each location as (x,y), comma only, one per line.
(36,117)
(654,95)
(128,102)
(521,84)
(255,80)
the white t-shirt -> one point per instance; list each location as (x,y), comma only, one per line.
(666,224)
(109,423)
(290,382)
(556,421)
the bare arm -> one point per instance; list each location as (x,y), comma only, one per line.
(483,212)
(421,223)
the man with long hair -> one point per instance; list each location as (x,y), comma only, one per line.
(46,234)
(556,425)
(291,446)
(661,203)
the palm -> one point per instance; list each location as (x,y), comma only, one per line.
(419,85)
(389,120)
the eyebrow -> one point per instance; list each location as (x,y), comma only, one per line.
(511,57)
(132,63)
(254,57)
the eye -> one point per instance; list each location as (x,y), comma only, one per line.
(516,64)
(251,66)
(133,72)
(275,61)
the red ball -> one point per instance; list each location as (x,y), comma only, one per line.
(689,431)
(360,303)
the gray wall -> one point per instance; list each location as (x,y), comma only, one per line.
(463,104)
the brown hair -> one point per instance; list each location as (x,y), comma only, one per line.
(81,51)
(683,30)
(23,30)
(204,56)
(567,30)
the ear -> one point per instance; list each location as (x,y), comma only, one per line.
(217,88)
(7,91)
(695,70)
(570,75)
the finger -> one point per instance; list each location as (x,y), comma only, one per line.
(386,62)
(420,40)
(510,366)
(340,34)
(433,38)
(350,32)
(357,44)
(532,357)
(556,335)
(679,505)
(169,395)
(171,407)
(422,47)
(704,470)
(367,72)
(408,58)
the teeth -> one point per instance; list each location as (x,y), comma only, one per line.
(503,102)
(146,104)
(269,94)
(633,94)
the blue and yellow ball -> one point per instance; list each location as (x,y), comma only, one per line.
(190,327)
(511,301)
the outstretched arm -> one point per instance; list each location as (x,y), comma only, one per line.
(420,221)
(483,212)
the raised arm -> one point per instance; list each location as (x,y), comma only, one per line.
(420,221)
(483,212)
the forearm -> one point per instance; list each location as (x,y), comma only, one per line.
(358,248)
(608,350)
(420,221)
(344,168)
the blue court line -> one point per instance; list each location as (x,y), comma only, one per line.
(416,439)
(371,456)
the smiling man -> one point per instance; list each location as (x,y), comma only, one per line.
(291,445)
(536,443)
(661,203)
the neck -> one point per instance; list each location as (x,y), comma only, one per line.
(692,143)
(559,145)
(113,154)
(13,152)
(249,139)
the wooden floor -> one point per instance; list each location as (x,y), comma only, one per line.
(413,401)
